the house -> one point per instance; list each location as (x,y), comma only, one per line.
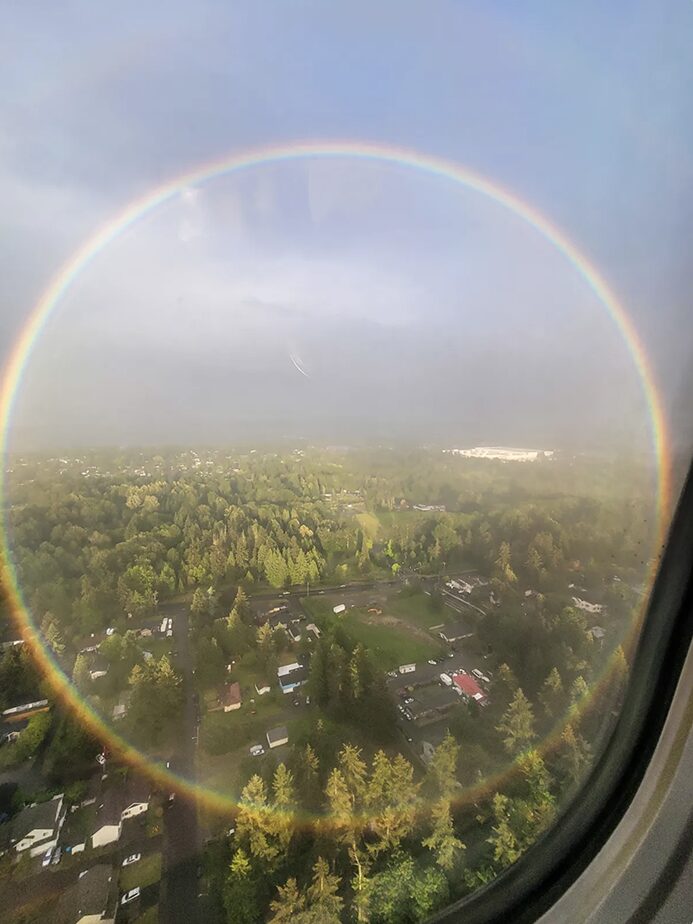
(460,587)
(109,820)
(262,687)
(454,632)
(121,707)
(586,606)
(278,736)
(294,631)
(118,804)
(230,697)
(90,900)
(468,688)
(598,634)
(137,796)
(37,827)
(291,676)
(98,668)
(313,629)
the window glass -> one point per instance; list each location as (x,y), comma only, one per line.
(344,411)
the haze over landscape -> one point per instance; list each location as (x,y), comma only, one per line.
(340,300)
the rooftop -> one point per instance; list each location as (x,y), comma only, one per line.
(231,695)
(278,734)
(40,815)
(468,685)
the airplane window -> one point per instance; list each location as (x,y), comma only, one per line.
(344,409)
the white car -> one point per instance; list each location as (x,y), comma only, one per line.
(432,661)
(133,858)
(130,896)
(257,750)
(110,631)
(47,857)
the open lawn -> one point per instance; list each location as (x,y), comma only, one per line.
(144,873)
(418,609)
(223,731)
(391,644)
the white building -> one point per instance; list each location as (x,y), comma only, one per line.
(503,453)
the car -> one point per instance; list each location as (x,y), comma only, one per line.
(432,661)
(307,700)
(130,896)
(133,858)
(55,859)
(392,673)
(257,750)
(409,699)
(297,702)
(47,857)
(409,738)
(477,673)
(110,631)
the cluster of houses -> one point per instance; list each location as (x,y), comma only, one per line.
(46,830)
(38,829)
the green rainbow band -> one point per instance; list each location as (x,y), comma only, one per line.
(355,150)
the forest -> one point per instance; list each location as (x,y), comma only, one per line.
(349,826)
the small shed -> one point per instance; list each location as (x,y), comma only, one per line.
(278,736)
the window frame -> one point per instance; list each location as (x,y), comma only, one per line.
(528,889)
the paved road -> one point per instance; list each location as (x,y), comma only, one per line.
(181,837)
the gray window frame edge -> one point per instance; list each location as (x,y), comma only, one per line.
(578,869)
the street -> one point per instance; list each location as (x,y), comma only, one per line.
(179,903)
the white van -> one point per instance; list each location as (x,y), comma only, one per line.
(447,679)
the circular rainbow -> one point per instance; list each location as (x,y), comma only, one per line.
(274,154)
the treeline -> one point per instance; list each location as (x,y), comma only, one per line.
(90,550)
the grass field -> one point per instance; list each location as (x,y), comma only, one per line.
(144,873)
(417,609)
(391,645)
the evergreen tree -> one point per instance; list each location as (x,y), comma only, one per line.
(517,724)
(240,891)
(442,840)
(574,756)
(288,907)
(443,766)
(506,849)
(323,894)
(552,695)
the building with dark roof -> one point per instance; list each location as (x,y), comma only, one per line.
(278,736)
(291,677)
(90,900)
(117,804)
(431,703)
(230,697)
(37,827)
(455,631)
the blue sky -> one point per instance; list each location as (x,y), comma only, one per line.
(440,304)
